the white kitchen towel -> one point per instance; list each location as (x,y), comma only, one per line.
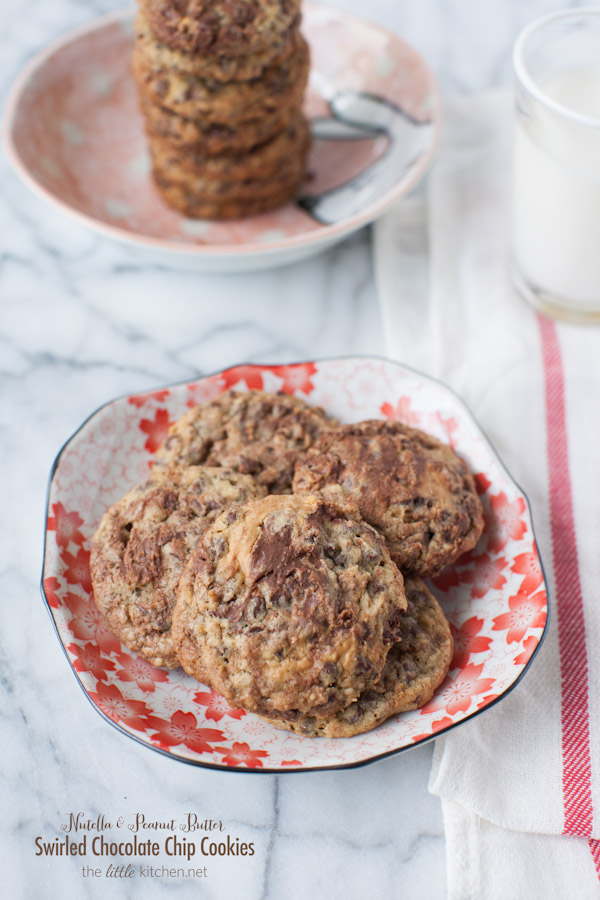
(520,784)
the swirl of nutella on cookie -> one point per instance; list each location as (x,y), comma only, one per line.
(415,666)
(410,486)
(288,603)
(256,433)
(143,543)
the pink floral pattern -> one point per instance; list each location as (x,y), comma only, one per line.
(494,597)
(401,412)
(66,525)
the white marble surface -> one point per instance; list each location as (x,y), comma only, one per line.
(83,320)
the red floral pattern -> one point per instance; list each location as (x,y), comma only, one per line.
(217,706)
(201,392)
(529,645)
(66,525)
(525,612)
(138,401)
(87,623)
(487,700)
(119,708)
(91,659)
(486,575)
(156,429)
(456,694)
(77,569)
(436,726)
(250,374)
(51,586)
(145,675)
(467,640)
(401,412)
(504,522)
(528,564)
(449,578)
(183,729)
(241,755)
(296,378)
(482,482)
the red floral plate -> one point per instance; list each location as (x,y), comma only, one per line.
(495,598)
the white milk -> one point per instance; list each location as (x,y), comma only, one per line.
(557,192)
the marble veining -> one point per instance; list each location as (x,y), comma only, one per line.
(84,319)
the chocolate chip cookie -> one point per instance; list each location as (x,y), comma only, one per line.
(255,433)
(219,68)
(143,543)
(409,485)
(221,27)
(280,85)
(288,604)
(272,160)
(415,666)
(221,208)
(207,198)
(212,138)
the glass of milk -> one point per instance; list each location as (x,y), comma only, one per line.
(556,208)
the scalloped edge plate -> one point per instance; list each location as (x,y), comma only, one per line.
(495,597)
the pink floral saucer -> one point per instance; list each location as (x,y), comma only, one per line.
(75,135)
(495,599)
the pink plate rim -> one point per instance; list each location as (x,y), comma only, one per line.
(334,766)
(318,236)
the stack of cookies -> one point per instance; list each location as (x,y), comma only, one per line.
(278,557)
(221,85)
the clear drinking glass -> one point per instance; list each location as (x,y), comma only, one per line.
(556,203)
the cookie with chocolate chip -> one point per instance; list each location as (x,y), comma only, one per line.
(281,85)
(143,543)
(196,135)
(204,198)
(288,604)
(217,67)
(415,667)
(410,486)
(255,433)
(282,155)
(221,27)
(229,205)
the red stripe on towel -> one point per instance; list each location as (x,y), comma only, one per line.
(577,771)
(595,851)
